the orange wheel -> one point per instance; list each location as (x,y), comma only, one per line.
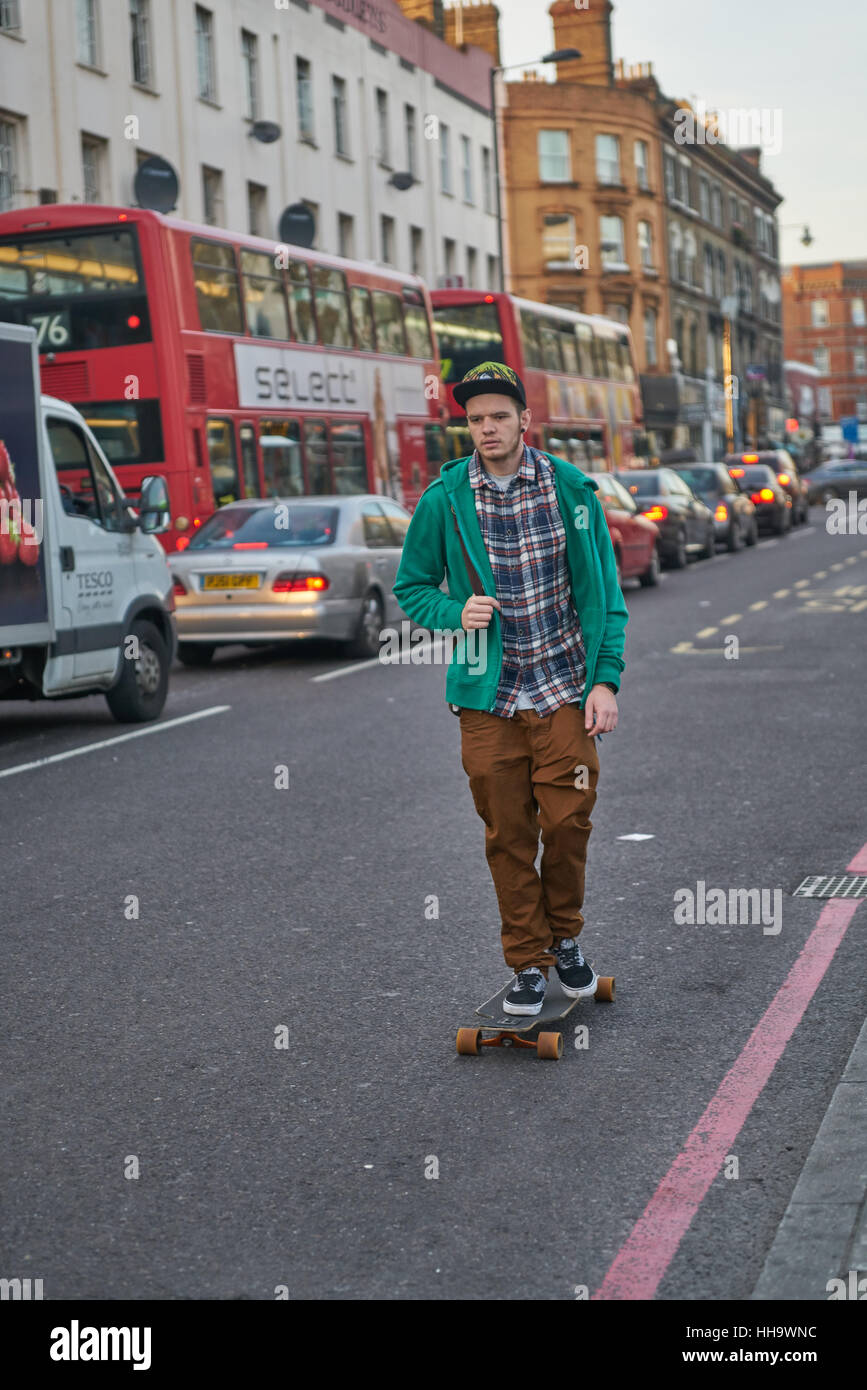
(468,1041)
(550,1046)
(605,989)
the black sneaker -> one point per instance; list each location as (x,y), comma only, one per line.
(577,978)
(528,992)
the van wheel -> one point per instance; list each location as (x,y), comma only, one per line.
(144,680)
(195,653)
(365,643)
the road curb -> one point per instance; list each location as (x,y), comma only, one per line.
(823,1234)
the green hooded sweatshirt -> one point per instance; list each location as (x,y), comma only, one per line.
(432,553)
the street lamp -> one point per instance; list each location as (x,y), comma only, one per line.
(560,55)
(806,238)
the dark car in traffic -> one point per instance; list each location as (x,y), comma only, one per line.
(734,513)
(782,464)
(636,540)
(772,502)
(837,478)
(686,525)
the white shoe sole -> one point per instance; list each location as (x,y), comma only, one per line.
(584,991)
(524,1010)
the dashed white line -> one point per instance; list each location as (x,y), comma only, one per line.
(110,742)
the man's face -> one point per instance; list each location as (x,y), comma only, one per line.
(496,424)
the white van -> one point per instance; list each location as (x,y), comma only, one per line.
(86,601)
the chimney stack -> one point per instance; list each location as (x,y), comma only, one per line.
(585,25)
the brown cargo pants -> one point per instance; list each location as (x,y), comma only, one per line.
(526,773)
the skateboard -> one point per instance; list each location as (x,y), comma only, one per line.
(507,1028)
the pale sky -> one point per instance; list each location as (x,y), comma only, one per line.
(804,59)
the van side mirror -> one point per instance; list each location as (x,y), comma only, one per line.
(154,513)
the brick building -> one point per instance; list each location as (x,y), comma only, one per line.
(825,323)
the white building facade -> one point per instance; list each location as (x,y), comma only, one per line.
(91,88)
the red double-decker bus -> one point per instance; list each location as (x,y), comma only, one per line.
(234,365)
(578,370)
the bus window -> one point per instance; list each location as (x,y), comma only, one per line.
(224,462)
(434,443)
(467,334)
(585,448)
(387,315)
(216,277)
(350,461)
(459,442)
(549,338)
(568,349)
(530,339)
(128,431)
(584,345)
(302,302)
(249,464)
(600,358)
(612,353)
(281,458)
(417,326)
(362,318)
(626,367)
(316,451)
(332,307)
(264,296)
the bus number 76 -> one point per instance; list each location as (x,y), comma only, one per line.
(51,329)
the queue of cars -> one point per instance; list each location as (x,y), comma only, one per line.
(264,571)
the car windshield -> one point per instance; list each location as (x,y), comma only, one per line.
(640,484)
(701,479)
(755,475)
(283,524)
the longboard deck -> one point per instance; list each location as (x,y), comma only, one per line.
(556,1005)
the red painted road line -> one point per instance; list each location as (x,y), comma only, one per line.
(859,863)
(643,1259)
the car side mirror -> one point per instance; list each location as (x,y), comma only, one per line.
(154,512)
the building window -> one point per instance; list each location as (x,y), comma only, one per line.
(608,158)
(212,195)
(645,245)
(487,185)
(449,251)
(716,212)
(693,348)
(708,269)
(410,127)
(611,242)
(734,216)
(720,275)
(558,238)
(304,98)
(650,337)
(493,273)
(704,197)
(416,250)
(257,209)
(675,251)
(205,54)
(382,149)
(821,360)
(860,360)
(748,290)
(861,407)
(10,15)
(466,169)
(819,312)
(642,170)
(670,177)
(345,234)
(445,159)
(250,60)
(472,262)
(92,156)
(613,309)
(8,163)
(386,227)
(858,315)
(684,191)
(140,40)
(87,35)
(338,107)
(313,209)
(554,162)
(690,251)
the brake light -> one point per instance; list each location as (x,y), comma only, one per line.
(736,472)
(767,494)
(183,542)
(721,512)
(300,583)
(655,513)
(250,545)
(179,589)
(783,478)
(749,458)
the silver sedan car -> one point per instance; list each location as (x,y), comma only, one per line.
(263,571)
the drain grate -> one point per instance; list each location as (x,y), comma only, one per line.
(832,886)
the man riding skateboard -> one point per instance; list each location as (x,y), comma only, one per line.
(534,598)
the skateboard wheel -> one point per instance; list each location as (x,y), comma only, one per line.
(550,1046)
(468,1041)
(605,989)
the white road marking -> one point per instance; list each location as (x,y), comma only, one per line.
(636,837)
(110,742)
(351,667)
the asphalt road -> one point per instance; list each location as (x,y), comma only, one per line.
(149,1041)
